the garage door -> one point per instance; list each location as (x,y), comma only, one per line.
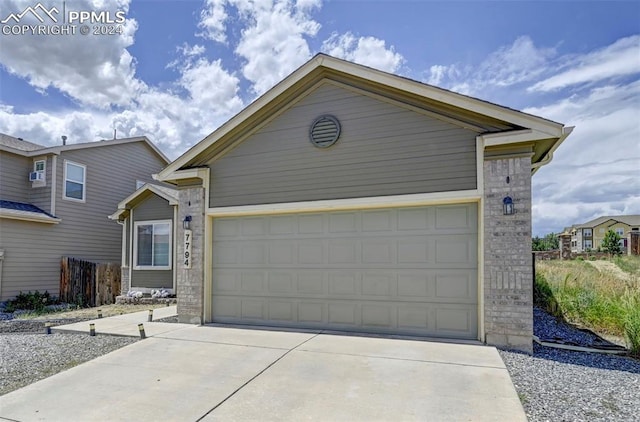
(398,270)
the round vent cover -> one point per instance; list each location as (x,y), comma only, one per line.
(324,131)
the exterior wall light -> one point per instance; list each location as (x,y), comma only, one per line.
(186,223)
(507,206)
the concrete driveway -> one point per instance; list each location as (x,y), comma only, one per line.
(189,373)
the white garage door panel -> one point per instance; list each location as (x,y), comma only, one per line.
(411,270)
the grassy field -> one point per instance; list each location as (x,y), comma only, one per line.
(604,297)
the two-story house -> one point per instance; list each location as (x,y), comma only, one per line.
(589,235)
(54,202)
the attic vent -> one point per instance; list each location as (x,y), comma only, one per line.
(324,131)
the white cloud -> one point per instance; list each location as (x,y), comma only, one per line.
(368,51)
(95,70)
(595,172)
(621,58)
(213,19)
(273,40)
(509,65)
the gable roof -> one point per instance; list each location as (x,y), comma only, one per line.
(30,149)
(18,143)
(170,195)
(24,211)
(485,118)
(631,220)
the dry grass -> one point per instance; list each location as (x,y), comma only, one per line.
(604,301)
(107,311)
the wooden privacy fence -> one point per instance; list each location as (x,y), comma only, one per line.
(88,283)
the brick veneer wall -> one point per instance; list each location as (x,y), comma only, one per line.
(125,283)
(508,278)
(190,287)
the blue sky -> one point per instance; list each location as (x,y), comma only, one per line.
(181,68)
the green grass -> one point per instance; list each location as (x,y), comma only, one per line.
(628,264)
(579,293)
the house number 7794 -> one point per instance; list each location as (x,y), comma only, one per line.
(187,249)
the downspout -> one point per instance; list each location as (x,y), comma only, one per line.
(54,172)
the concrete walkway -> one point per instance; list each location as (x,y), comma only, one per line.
(190,373)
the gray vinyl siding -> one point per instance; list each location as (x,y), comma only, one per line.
(153,208)
(40,196)
(31,258)
(383,149)
(33,250)
(14,182)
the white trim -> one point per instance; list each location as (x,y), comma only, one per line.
(35,217)
(84,182)
(123,246)
(350,203)
(480,186)
(397,201)
(123,205)
(134,264)
(207,302)
(174,256)
(54,181)
(130,262)
(566,131)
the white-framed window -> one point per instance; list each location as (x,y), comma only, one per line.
(139,184)
(75,185)
(587,232)
(40,166)
(588,244)
(620,231)
(37,177)
(152,245)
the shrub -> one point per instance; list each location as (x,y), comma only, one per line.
(35,301)
(631,304)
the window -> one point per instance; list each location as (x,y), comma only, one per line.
(152,245)
(39,166)
(587,232)
(39,171)
(620,231)
(588,244)
(74,181)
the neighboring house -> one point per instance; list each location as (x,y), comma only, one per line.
(352,199)
(589,236)
(54,202)
(148,217)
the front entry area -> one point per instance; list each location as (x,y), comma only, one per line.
(411,270)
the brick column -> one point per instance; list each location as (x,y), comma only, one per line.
(565,246)
(508,281)
(190,282)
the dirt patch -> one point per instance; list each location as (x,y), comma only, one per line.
(92,313)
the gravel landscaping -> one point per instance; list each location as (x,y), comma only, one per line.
(28,355)
(562,385)
(553,385)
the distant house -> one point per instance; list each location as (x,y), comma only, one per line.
(589,235)
(54,202)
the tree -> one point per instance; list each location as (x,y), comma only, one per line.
(611,243)
(549,242)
